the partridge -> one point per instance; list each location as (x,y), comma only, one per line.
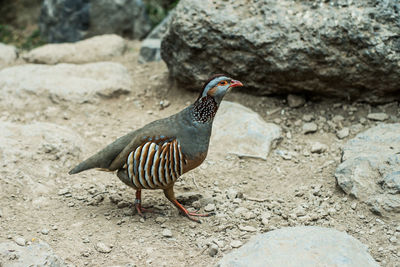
(154,156)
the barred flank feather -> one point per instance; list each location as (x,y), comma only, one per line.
(154,166)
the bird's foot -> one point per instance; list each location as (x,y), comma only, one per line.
(140,210)
(190,215)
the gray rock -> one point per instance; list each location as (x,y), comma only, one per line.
(370,168)
(99,48)
(151,46)
(295,101)
(34,254)
(65,82)
(241,131)
(378,116)
(236,243)
(213,250)
(102,248)
(309,127)
(20,241)
(277,46)
(71,21)
(308,117)
(343,133)
(23,143)
(310,246)
(8,55)
(209,207)
(318,147)
(167,233)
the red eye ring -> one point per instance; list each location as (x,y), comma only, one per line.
(222,83)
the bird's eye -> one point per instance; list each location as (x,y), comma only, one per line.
(222,83)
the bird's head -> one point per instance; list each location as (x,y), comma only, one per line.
(217,86)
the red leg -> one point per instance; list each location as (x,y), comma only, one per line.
(169,193)
(138,203)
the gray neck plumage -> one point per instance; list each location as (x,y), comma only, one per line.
(204,109)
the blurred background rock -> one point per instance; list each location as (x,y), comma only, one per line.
(31,23)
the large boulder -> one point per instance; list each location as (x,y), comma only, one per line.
(98,48)
(338,48)
(370,168)
(64,82)
(299,247)
(240,131)
(74,20)
(8,55)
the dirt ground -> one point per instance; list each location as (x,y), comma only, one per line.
(250,196)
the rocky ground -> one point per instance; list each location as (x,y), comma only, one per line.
(88,219)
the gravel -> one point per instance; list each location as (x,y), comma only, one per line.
(378,116)
(20,241)
(167,233)
(102,248)
(309,127)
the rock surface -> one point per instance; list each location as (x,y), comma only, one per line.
(339,48)
(370,168)
(151,46)
(35,254)
(99,48)
(8,54)
(241,131)
(71,21)
(301,246)
(85,82)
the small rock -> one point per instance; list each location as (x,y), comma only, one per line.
(393,239)
(309,127)
(20,241)
(295,101)
(209,207)
(64,191)
(167,233)
(354,206)
(308,117)
(236,243)
(318,147)
(231,193)
(164,104)
(338,118)
(122,204)
(45,231)
(213,250)
(247,228)
(343,133)
(160,220)
(378,116)
(102,248)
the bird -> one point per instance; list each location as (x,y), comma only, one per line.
(156,155)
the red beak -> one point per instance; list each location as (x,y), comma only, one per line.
(235,83)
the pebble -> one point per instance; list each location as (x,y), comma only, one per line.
(247,228)
(378,116)
(213,250)
(45,231)
(164,104)
(122,204)
(318,148)
(167,233)
(20,241)
(64,191)
(71,204)
(309,127)
(343,133)
(308,117)
(295,101)
(236,244)
(231,193)
(160,220)
(393,239)
(354,206)
(209,207)
(338,118)
(102,248)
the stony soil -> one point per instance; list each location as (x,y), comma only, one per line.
(88,219)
